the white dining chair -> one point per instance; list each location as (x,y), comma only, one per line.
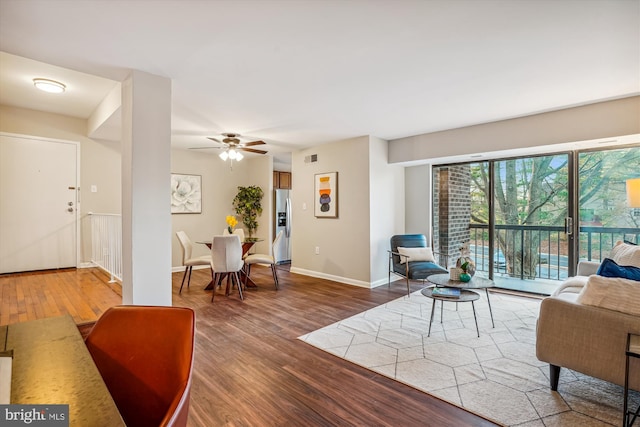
(238,232)
(226,259)
(249,260)
(188,261)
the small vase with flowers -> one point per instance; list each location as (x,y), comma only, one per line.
(231,223)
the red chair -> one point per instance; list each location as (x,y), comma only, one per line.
(145,356)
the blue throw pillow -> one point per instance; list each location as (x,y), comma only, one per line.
(609,268)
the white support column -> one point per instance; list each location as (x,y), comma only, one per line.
(146,172)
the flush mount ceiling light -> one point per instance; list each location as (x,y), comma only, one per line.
(50,86)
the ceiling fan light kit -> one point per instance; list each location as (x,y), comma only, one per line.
(231,154)
(232,147)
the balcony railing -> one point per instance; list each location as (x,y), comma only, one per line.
(550,257)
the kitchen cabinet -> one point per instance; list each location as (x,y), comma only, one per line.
(282,180)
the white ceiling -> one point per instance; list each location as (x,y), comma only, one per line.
(300,73)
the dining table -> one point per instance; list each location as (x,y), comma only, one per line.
(247,244)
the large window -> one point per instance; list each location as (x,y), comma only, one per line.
(517,214)
(604,215)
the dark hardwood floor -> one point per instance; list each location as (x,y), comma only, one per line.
(250,368)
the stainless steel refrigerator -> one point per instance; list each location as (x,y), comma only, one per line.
(283,222)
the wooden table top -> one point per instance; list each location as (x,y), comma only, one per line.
(51,365)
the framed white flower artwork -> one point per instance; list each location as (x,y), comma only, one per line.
(186,194)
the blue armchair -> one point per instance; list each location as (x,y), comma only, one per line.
(402,265)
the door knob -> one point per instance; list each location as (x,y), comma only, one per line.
(70,203)
(70,209)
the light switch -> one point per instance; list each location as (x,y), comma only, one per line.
(304,206)
(94,188)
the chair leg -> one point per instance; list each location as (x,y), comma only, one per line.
(220,277)
(246,276)
(275,275)
(213,280)
(184,277)
(189,278)
(229,282)
(408,288)
(216,279)
(237,280)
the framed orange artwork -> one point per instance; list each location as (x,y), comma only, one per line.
(326,195)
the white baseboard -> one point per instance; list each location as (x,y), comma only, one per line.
(339,279)
(379,282)
(180,268)
(87,264)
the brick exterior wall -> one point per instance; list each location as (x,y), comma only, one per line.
(451,211)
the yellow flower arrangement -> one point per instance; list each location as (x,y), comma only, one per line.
(231,222)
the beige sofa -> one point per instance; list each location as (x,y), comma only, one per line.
(583,326)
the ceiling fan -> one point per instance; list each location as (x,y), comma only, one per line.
(231,144)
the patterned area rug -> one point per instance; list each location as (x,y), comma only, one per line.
(496,375)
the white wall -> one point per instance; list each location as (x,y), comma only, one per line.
(589,122)
(386,208)
(353,247)
(343,241)
(146,218)
(418,201)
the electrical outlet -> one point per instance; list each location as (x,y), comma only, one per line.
(317,250)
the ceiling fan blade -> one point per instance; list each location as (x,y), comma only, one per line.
(249,144)
(213,139)
(203,148)
(251,150)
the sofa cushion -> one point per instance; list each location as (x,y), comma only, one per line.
(613,293)
(625,254)
(571,285)
(609,268)
(416,254)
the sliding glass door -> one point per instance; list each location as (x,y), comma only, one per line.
(532,225)
(517,214)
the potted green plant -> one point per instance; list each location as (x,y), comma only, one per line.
(248,206)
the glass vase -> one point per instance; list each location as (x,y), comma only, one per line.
(471,266)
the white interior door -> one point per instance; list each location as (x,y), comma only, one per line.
(38,204)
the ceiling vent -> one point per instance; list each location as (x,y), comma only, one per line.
(311,159)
